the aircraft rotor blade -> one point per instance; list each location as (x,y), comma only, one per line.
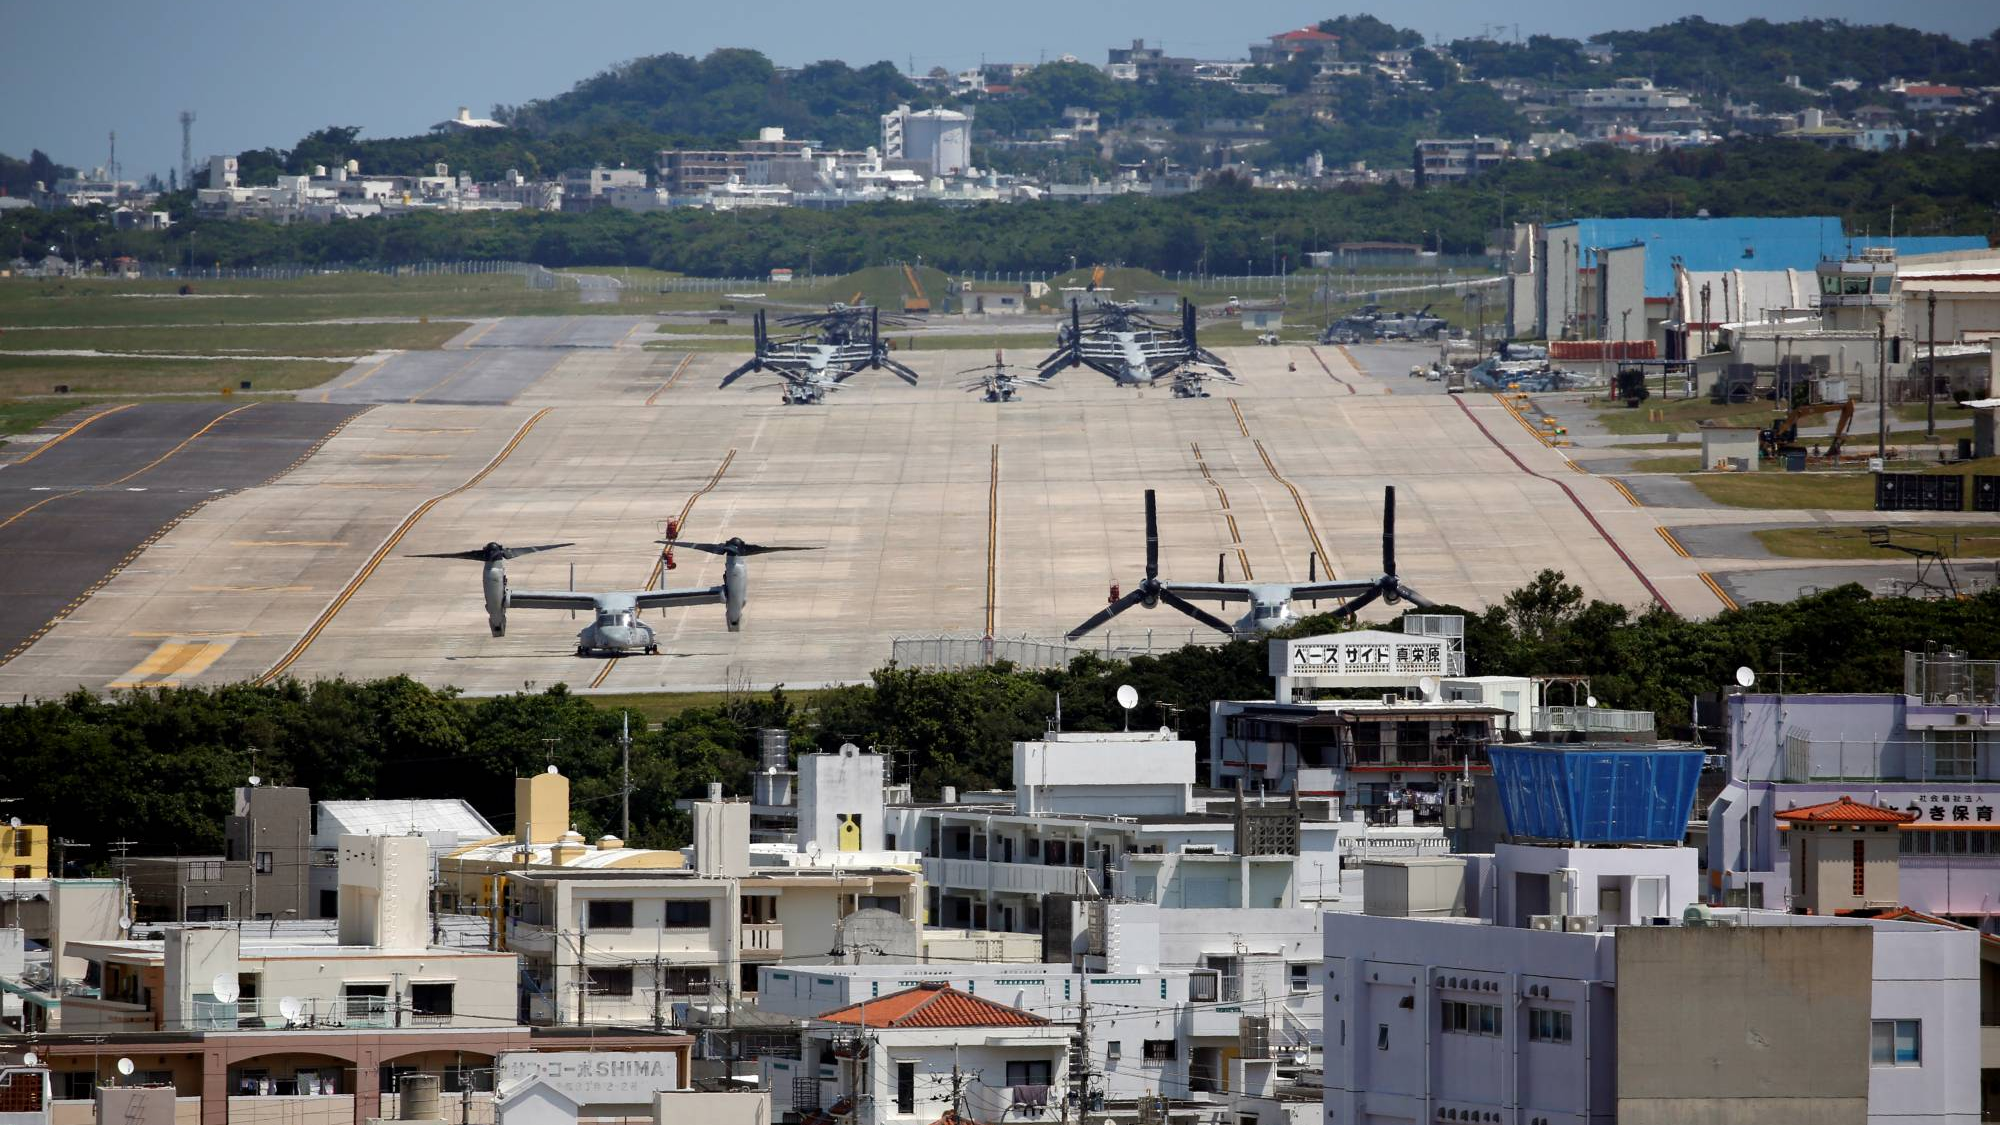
(1414,598)
(1199,614)
(1348,609)
(735,547)
(756,364)
(1152,539)
(517,552)
(1389,531)
(474,556)
(491,552)
(903,371)
(1108,612)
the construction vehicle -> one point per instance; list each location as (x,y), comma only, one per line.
(914,302)
(1783,435)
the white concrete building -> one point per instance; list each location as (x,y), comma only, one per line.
(941,138)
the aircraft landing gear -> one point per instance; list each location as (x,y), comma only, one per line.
(652,650)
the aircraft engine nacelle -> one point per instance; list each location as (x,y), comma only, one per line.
(736,591)
(496,598)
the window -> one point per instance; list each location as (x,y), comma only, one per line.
(1034,847)
(365,1002)
(685,982)
(215,912)
(759,910)
(432,999)
(906,1087)
(1461,1017)
(1301,978)
(1381,1036)
(76,1085)
(608,914)
(1159,1050)
(1547,1025)
(24,841)
(208,871)
(263,863)
(686,915)
(329,904)
(23,872)
(1034,1072)
(1860,869)
(1202,986)
(890,903)
(1896,1043)
(610,982)
(1952,755)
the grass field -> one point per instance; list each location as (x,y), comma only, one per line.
(1690,463)
(1956,540)
(1794,491)
(240,339)
(1946,412)
(23,376)
(1681,416)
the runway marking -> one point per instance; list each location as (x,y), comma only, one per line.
(1236,538)
(406,457)
(172,663)
(368,568)
(286,543)
(455,373)
(992,535)
(1240,423)
(1622,490)
(562,326)
(671,379)
(327,394)
(660,561)
(162,531)
(431,430)
(1351,361)
(158,635)
(71,432)
(477,336)
(1673,542)
(155,462)
(44,500)
(1587,513)
(251,589)
(1716,588)
(1299,499)
(1329,371)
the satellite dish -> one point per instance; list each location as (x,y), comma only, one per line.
(1745,677)
(125,1067)
(255,781)
(13,822)
(223,988)
(1590,701)
(552,767)
(30,1059)
(1128,696)
(849,748)
(289,1007)
(124,922)
(1429,686)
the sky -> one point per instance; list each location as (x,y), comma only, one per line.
(265,74)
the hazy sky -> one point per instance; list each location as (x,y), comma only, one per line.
(268,73)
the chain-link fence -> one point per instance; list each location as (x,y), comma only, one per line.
(948,653)
(168,271)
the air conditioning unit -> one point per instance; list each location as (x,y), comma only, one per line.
(1547,923)
(1579,924)
(1197,849)
(1390,699)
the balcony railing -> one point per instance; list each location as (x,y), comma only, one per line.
(1024,878)
(763,937)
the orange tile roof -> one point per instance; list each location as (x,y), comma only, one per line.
(1304,33)
(1846,810)
(932,1004)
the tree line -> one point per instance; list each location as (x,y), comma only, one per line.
(158,768)
(1227,228)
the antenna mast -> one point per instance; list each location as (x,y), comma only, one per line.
(187,149)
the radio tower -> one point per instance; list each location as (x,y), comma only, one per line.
(187,148)
(111,167)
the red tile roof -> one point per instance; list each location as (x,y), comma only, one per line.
(1305,33)
(933,1004)
(1847,810)
(1932,92)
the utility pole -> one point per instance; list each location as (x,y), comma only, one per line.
(1930,371)
(625,794)
(1080,1073)
(187,150)
(1882,384)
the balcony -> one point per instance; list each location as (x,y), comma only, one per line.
(1017,878)
(763,937)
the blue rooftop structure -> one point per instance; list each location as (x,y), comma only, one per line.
(1709,245)
(1595,795)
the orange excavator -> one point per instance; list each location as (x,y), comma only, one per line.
(914,301)
(1783,436)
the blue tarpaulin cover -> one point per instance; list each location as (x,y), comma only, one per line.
(1595,795)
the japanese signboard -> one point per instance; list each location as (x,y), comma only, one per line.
(1363,658)
(594,1077)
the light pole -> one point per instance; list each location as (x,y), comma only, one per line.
(1930,371)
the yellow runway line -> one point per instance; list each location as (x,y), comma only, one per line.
(155,462)
(1624,491)
(50,499)
(671,379)
(172,663)
(1235,537)
(1299,499)
(1673,542)
(476,336)
(250,589)
(327,394)
(660,561)
(71,432)
(354,584)
(455,373)
(1240,423)
(1715,588)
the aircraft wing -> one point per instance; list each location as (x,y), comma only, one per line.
(551,599)
(1352,588)
(667,599)
(1216,591)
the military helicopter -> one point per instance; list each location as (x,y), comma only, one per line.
(847,339)
(998,381)
(1270,602)
(1131,348)
(615,628)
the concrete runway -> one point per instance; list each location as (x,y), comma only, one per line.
(75,508)
(936,513)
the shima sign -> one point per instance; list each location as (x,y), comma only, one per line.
(1365,658)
